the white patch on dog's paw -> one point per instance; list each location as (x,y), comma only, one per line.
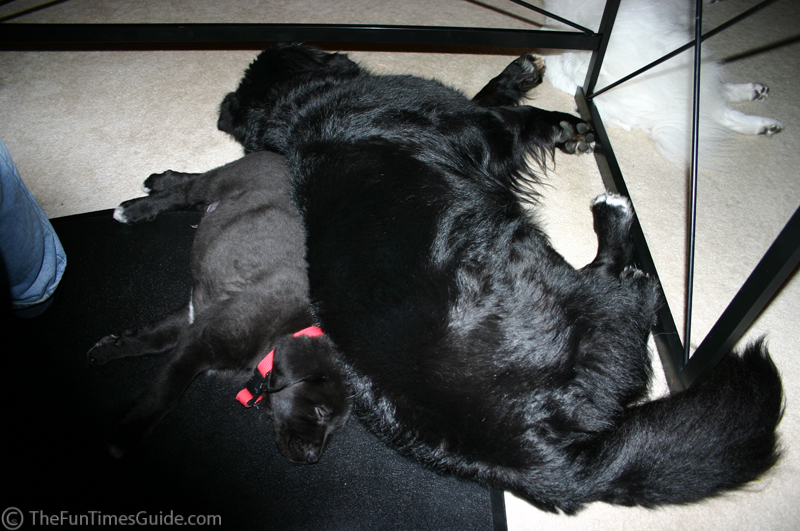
(613,200)
(119,215)
(146,189)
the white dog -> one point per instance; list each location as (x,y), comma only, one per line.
(660,100)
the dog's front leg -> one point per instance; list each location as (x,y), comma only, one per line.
(155,338)
(161,397)
(509,88)
(167,191)
(562,130)
(554,129)
(613,217)
(538,129)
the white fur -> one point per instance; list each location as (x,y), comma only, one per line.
(119,214)
(191,307)
(613,200)
(660,100)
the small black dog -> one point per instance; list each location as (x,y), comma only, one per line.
(472,345)
(250,294)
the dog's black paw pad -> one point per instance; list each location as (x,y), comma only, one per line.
(760,92)
(567,131)
(771,129)
(576,138)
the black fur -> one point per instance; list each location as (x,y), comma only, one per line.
(473,346)
(250,295)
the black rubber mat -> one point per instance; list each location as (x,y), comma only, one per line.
(209,457)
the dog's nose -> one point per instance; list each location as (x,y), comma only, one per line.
(311,457)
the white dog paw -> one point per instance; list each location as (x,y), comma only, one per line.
(119,215)
(614,200)
(771,128)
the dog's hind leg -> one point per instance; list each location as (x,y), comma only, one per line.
(155,338)
(747,124)
(187,361)
(509,88)
(226,336)
(613,216)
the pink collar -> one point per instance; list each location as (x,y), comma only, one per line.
(254,388)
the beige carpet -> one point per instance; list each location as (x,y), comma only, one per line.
(86,128)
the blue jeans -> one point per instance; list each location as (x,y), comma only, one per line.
(30,249)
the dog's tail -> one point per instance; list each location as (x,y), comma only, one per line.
(694,444)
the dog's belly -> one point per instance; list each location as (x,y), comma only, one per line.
(428,298)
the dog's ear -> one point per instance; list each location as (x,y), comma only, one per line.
(299,359)
(228,109)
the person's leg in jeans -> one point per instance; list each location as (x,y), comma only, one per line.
(32,255)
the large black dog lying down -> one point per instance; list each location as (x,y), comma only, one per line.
(250,296)
(472,345)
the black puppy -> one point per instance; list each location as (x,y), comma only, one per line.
(473,346)
(250,295)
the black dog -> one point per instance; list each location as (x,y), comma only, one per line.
(472,345)
(250,294)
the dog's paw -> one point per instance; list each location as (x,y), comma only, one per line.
(760,92)
(100,352)
(531,71)
(613,214)
(136,211)
(157,182)
(771,128)
(119,214)
(633,273)
(575,138)
(112,347)
(613,200)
